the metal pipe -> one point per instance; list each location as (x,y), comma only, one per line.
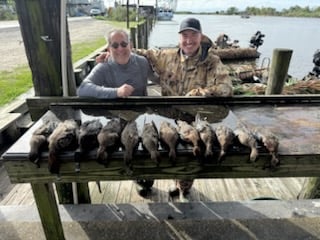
(65,88)
(75,193)
(63,44)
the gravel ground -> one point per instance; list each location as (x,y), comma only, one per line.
(12,48)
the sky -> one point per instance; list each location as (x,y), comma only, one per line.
(218,5)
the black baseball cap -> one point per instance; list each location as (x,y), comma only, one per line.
(190,24)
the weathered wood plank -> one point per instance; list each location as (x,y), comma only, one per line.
(48,210)
(40,105)
(35,20)
(207,190)
(171,100)
(311,189)
(5,186)
(111,191)
(18,194)
(234,167)
(6,119)
(278,73)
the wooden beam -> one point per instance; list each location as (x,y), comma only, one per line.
(48,210)
(40,28)
(39,105)
(236,165)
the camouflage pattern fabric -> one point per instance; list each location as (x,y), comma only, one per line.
(203,73)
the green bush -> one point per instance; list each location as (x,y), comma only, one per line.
(120,14)
(7,14)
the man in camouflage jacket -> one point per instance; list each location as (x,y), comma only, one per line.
(192,69)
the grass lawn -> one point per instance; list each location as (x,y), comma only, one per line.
(14,83)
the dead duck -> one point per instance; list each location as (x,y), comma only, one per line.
(189,134)
(130,141)
(271,143)
(225,138)
(150,141)
(88,133)
(63,137)
(206,133)
(109,139)
(169,139)
(88,139)
(39,140)
(247,138)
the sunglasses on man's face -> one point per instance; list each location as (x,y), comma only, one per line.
(123,44)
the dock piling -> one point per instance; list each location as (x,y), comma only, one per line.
(279,70)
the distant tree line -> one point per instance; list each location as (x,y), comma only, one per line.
(295,11)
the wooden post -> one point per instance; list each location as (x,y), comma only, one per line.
(83,193)
(41,32)
(310,189)
(40,29)
(79,75)
(64,191)
(133,37)
(146,34)
(140,42)
(278,71)
(128,15)
(48,210)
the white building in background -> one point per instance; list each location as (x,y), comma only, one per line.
(98,4)
(171,3)
(77,8)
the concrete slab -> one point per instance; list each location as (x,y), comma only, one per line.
(197,220)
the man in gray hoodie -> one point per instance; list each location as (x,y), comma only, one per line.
(123,74)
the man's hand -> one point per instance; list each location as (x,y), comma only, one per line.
(103,57)
(222,90)
(125,90)
(197,92)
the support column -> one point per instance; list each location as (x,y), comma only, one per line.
(279,70)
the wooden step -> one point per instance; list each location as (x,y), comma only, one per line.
(8,118)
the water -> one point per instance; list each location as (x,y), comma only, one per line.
(302,35)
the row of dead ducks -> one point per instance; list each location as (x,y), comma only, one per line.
(58,136)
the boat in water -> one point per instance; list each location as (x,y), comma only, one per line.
(245,16)
(164,14)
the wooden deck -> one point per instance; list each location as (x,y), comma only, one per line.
(205,190)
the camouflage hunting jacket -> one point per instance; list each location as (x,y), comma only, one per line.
(200,75)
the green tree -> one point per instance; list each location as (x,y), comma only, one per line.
(120,14)
(232,11)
